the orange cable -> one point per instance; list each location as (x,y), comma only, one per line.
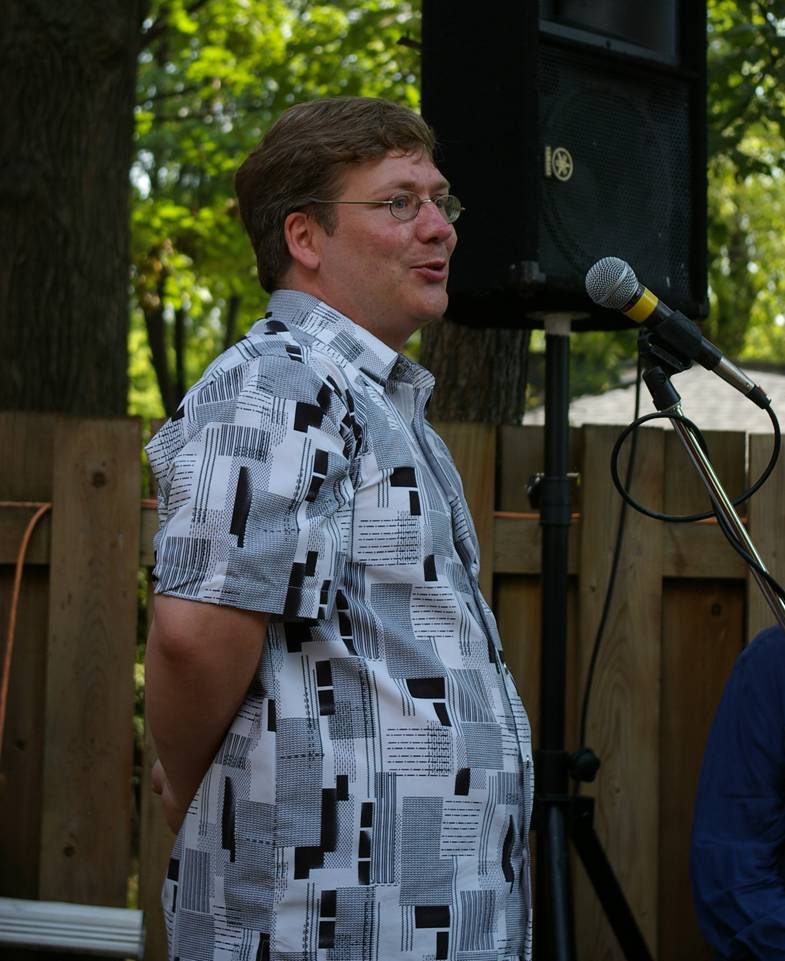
(42,509)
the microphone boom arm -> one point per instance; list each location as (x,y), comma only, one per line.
(667,400)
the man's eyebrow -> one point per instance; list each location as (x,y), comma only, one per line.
(440,186)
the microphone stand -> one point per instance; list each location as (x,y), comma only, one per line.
(662,361)
(558,815)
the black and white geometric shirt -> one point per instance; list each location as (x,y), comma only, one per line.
(371,799)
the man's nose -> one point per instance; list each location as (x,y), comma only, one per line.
(431,222)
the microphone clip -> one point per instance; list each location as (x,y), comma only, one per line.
(655,350)
(683,338)
(661,362)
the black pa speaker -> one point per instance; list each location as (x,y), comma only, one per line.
(571,130)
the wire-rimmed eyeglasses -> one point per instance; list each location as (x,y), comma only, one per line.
(406,205)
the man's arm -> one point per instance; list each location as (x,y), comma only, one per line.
(738,837)
(200,661)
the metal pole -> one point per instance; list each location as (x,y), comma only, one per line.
(554,902)
(724,507)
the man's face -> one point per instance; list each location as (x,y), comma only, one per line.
(387,275)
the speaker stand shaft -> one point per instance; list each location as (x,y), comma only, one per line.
(557,814)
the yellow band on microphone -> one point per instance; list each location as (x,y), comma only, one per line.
(643,307)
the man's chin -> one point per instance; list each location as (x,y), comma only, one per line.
(434,311)
(429,319)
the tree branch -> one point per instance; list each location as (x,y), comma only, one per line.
(769,67)
(160,25)
(231,320)
(179,353)
(153,309)
(166,94)
(175,118)
(196,5)
(157,27)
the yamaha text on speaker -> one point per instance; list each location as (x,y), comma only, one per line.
(571,131)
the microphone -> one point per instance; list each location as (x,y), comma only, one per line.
(611,282)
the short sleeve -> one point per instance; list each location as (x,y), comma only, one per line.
(255,493)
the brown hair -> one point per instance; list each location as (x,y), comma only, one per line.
(303,156)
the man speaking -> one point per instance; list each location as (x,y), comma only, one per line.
(343,754)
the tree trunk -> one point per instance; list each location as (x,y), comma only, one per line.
(480,372)
(67,79)
(179,354)
(153,307)
(230,328)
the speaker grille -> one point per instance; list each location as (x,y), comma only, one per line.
(504,94)
(629,193)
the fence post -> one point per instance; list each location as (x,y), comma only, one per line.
(26,444)
(86,823)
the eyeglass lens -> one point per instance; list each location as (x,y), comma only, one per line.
(406,206)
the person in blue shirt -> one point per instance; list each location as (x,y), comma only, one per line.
(738,838)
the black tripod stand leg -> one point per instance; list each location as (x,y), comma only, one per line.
(608,889)
(561,928)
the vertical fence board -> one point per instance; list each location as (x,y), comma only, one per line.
(684,492)
(85,835)
(155,845)
(26,475)
(156,841)
(624,712)
(517,598)
(517,610)
(767,530)
(522,451)
(473,447)
(155,838)
(703,624)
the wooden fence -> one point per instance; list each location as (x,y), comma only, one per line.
(69,829)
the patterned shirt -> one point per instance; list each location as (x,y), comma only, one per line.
(371,799)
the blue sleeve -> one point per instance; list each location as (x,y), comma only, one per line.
(739,826)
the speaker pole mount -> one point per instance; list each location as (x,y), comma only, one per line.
(559,815)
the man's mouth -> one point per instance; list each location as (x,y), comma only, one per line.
(435,269)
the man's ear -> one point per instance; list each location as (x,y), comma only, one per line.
(303,236)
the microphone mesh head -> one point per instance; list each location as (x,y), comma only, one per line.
(611,282)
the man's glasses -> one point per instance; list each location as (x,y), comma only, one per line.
(405,206)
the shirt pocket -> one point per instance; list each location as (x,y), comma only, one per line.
(389,525)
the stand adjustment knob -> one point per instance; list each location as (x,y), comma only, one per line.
(583,764)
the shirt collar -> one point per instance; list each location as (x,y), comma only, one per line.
(353,343)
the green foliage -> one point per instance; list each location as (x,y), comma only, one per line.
(144,398)
(746,74)
(746,198)
(212,77)
(599,361)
